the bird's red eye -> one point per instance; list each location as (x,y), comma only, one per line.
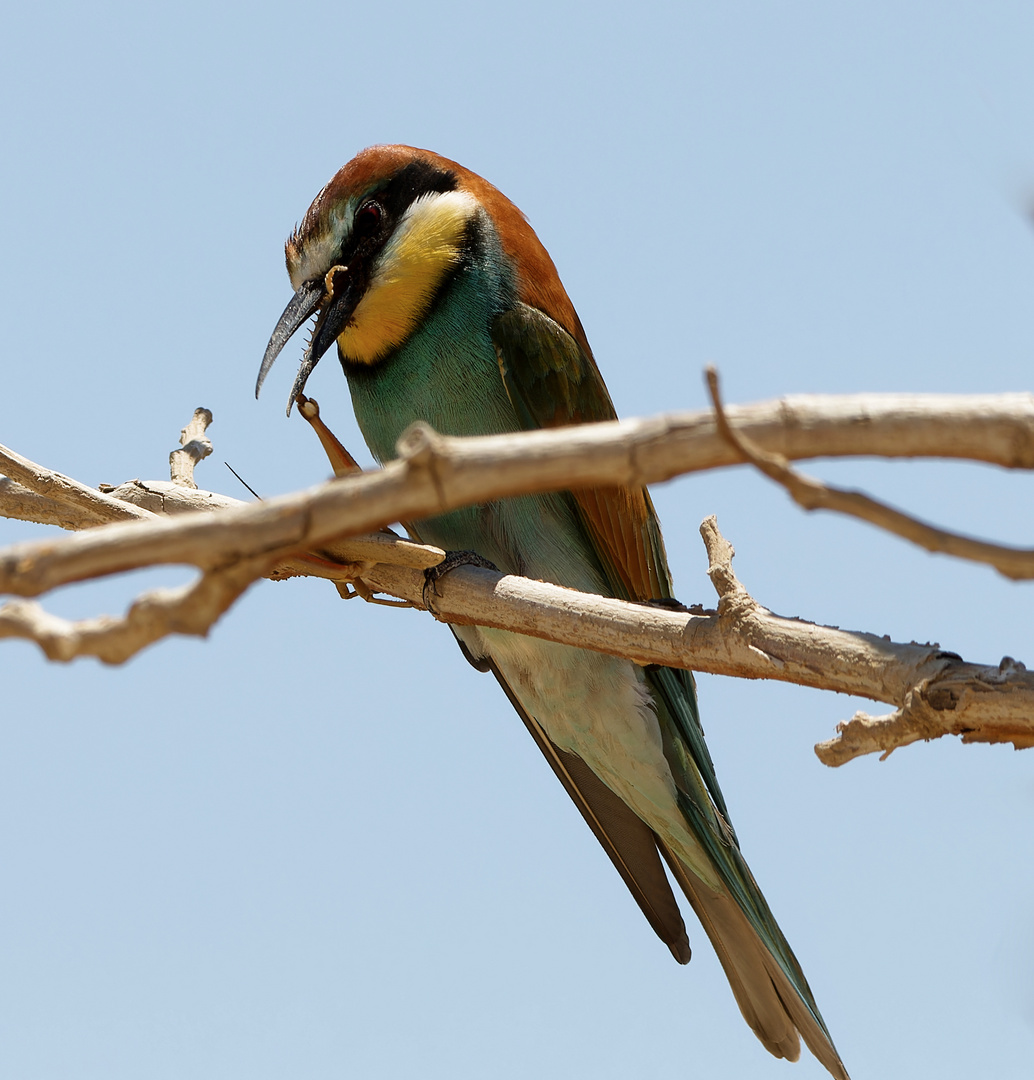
(367,218)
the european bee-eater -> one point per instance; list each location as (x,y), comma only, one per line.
(445,307)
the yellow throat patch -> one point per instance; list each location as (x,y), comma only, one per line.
(424,247)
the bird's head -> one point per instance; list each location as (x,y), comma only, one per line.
(381,240)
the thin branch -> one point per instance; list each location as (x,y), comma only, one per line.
(986,704)
(195,447)
(84,503)
(191,609)
(21,504)
(164,497)
(812,494)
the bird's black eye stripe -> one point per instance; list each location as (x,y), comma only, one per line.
(416,179)
(382,207)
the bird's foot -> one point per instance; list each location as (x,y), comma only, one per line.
(452,560)
(669,603)
(341,461)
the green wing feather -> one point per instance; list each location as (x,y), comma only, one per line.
(552,382)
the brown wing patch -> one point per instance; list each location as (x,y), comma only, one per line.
(623,523)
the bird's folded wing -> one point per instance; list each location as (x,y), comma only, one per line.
(629,842)
(552,381)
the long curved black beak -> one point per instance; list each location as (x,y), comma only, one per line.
(335,300)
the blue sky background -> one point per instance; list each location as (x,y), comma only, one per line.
(319,844)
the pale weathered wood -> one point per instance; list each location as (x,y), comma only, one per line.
(812,494)
(436,473)
(935,692)
(189,609)
(194,448)
(85,503)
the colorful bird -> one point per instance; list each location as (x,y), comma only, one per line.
(445,307)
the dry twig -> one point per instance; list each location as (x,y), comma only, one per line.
(83,505)
(194,448)
(812,494)
(191,609)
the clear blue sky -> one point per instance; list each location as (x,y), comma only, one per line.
(319,844)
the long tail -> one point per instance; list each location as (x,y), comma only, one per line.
(766,979)
(776,1004)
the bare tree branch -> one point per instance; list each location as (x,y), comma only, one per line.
(191,609)
(21,504)
(164,497)
(997,429)
(436,473)
(937,692)
(195,447)
(812,494)
(84,503)
(934,692)
(981,703)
